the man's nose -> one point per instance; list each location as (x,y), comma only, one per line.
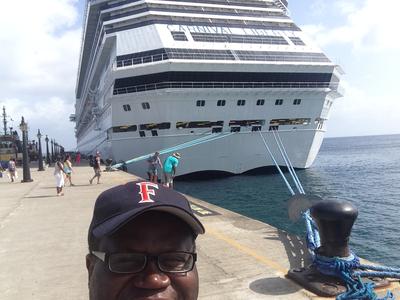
(152,278)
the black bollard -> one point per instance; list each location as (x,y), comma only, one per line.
(335,219)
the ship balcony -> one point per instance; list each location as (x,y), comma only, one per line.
(221,55)
(338,91)
(224,85)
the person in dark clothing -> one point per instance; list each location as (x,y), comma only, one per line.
(96,168)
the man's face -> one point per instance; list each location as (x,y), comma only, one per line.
(151,233)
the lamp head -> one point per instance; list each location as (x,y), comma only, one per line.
(23,126)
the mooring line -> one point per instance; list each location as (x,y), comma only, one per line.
(277,166)
(188,144)
(289,164)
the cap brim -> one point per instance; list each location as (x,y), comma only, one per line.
(113,224)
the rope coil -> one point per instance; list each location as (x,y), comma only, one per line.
(345,268)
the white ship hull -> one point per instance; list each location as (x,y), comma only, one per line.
(147,82)
(234,154)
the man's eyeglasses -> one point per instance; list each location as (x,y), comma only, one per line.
(170,262)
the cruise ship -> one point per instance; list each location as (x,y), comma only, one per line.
(155,73)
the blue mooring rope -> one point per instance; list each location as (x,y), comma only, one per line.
(201,140)
(344,268)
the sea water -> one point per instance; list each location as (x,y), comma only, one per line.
(362,170)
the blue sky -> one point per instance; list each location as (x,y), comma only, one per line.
(39,58)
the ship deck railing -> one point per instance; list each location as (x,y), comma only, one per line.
(218,56)
(224,85)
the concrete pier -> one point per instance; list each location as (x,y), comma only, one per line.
(43,244)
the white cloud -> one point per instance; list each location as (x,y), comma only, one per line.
(370,27)
(360,35)
(48,115)
(360,113)
(39,55)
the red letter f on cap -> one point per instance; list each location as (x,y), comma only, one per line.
(145,191)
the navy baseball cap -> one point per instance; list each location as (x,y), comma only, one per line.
(121,204)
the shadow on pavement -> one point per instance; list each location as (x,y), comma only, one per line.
(42,196)
(273,286)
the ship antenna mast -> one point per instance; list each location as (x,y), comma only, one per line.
(4,120)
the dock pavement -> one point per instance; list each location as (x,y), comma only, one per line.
(43,244)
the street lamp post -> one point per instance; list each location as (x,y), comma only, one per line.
(47,150)
(39,136)
(52,150)
(26,171)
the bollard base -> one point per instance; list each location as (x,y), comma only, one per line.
(323,285)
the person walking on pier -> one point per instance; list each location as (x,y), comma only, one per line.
(12,169)
(59,175)
(170,165)
(154,161)
(78,158)
(142,244)
(68,169)
(96,164)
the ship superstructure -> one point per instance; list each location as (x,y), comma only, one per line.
(157,73)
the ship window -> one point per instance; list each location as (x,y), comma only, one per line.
(146,105)
(297,41)
(216,129)
(298,121)
(235,129)
(246,122)
(200,102)
(260,102)
(179,35)
(126,107)
(274,127)
(198,124)
(241,102)
(142,133)
(296,101)
(154,133)
(154,126)
(124,128)
(238,38)
(278,101)
(221,103)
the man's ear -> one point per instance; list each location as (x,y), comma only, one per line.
(90,262)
